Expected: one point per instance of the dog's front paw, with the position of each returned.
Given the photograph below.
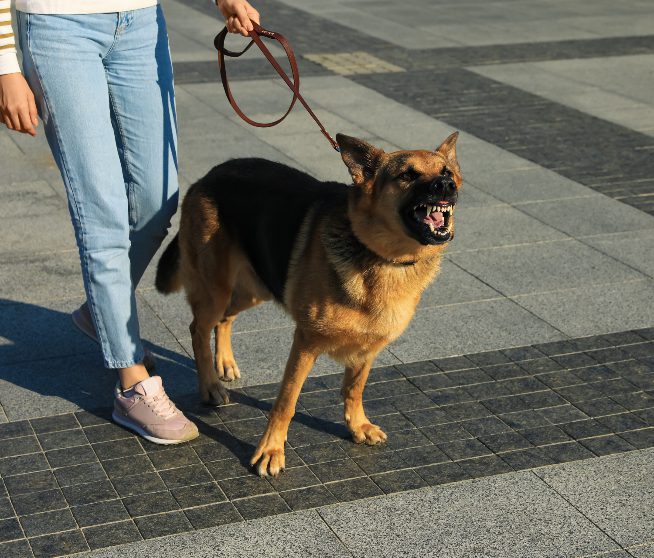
(214, 395)
(268, 459)
(369, 434)
(228, 370)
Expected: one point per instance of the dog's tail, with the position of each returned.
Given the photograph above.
(168, 280)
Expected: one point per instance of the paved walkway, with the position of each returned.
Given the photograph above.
(520, 400)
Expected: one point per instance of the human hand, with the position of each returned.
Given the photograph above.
(17, 105)
(238, 15)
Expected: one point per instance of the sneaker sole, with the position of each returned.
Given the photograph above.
(136, 428)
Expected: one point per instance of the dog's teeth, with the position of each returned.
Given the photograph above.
(431, 227)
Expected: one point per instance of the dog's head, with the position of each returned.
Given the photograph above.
(403, 201)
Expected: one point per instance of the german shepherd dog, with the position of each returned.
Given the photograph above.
(348, 263)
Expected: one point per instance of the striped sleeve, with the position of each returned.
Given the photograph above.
(8, 59)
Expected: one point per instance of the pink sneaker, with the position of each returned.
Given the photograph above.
(146, 409)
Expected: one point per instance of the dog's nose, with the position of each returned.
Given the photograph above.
(444, 187)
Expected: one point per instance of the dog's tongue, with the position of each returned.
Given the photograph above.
(436, 219)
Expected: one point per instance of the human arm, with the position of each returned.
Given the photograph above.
(17, 105)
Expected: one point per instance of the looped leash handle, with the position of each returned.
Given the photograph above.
(256, 34)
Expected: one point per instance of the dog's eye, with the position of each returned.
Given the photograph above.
(409, 175)
(446, 172)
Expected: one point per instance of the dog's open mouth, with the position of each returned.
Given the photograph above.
(431, 223)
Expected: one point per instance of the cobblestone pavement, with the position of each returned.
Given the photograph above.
(520, 401)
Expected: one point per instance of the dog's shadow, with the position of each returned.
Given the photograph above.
(42, 353)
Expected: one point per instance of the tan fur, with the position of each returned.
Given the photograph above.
(338, 309)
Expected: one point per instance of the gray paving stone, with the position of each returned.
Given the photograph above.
(520, 517)
(21, 237)
(545, 266)
(454, 285)
(615, 492)
(644, 551)
(587, 216)
(634, 248)
(29, 199)
(592, 310)
(457, 329)
(298, 534)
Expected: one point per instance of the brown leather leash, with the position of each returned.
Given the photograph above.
(294, 86)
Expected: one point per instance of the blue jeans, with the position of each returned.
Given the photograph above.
(104, 90)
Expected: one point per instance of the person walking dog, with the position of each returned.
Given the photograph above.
(99, 75)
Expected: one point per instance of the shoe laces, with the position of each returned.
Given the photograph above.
(161, 405)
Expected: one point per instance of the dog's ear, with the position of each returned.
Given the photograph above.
(361, 158)
(448, 149)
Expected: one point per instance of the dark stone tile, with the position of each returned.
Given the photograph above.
(446, 432)
(438, 380)
(615, 386)
(147, 504)
(485, 426)
(117, 448)
(622, 422)
(389, 389)
(297, 477)
(524, 419)
(469, 377)
(264, 391)
(402, 440)
(442, 473)
(47, 523)
(647, 415)
(320, 399)
(623, 338)
(556, 348)
(425, 455)
(175, 457)
(559, 378)
(213, 452)
(542, 399)
(580, 392)
(321, 453)
(16, 549)
(510, 404)
(544, 435)
(450, 396)
(463, 411)
(39, 502)
(584, 429)
(640, 350)
(106, 433)
(53, 424)
(337, 470)
(399, 481)
(485, 466)
(94, 418)
(383, 462)
(23, 464)
(261, 506)
(6, 510)
(139, 484)
(600, 407)
(18, 446)
(464, 449)
(606, 445)
(15, 429)
(63, 439)
(99, 513)
(612, 354)
(199, 495)
(229, 468)
(228, 413)
(595, 373)
(354, 489)
(163, 524)
(568, 451)
(634, 401)
(417, 368)
(562, 414)
(71, 456)
(248, 428)
(488, 358)
(68, 542)
(125, 466)
(10, 530)
(382, 374)
(453, 363)
(640, 439)
(185, 476)
(30, 482)
(245, 486)
(113, 534)
(540, 365)
(213, 515)
(575, 360)
(506, 441)
(80, 474)
(488, 390)
(504, 371)
(90, 493)
(426, 417)
(528, 458)
(522, 353)
(306, 498)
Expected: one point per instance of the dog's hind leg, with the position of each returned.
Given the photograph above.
(270, 452)
(208, 310)
(355, 417)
